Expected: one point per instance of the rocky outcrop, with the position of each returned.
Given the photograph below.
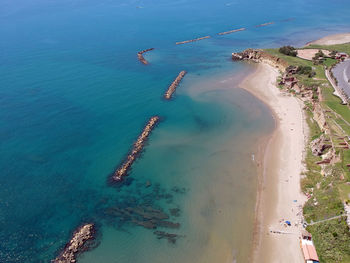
(258, 55)
(136, 150)
(174, 85)
(319, 145)
(77, 244)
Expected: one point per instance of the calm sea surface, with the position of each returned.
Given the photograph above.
(74, 97)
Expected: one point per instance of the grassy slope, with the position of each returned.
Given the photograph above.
(332, 238)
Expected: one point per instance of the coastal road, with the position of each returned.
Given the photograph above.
(337, 91)
(342, 74)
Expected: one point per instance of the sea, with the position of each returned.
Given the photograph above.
(74, 98)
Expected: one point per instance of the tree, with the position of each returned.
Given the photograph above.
(305, 70)
(288, 50)
(333, 54)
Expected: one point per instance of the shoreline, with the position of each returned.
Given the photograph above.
(331, 40)
(279, 174)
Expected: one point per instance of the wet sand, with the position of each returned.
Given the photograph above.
(332, 39)
(279, 194)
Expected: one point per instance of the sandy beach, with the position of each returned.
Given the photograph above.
(280, 197)
(332, 39)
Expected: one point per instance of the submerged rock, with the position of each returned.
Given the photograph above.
(170, 237)
(175, 211)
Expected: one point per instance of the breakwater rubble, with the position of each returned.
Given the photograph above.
(140, 55)
(192, 40)
(80, 242)
(174, 85)
(136, 150)
(265, 24)
(232, 31)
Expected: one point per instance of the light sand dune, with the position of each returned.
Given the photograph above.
(308, 54)
(280, 180)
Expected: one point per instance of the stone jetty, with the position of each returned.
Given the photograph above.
(77, 244)
(232, 31)
(192, 40)
(265, 24)
(174, 85)
(140, 55)
(136, 150)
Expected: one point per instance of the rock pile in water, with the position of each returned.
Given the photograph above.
(77, 244)
(140, 55)
(174, 85)
(192, 40)
(136, 150)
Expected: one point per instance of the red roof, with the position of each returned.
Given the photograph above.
(309, 252)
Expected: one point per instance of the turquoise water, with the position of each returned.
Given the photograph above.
(73, 98)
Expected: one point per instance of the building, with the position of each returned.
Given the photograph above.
(308, 248)
(341, 55)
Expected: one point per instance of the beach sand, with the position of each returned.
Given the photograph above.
(280, 197)
(332, 40)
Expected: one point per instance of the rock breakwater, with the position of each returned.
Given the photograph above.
(78, 243)
(136, 150)
(258, 55)
(140, 55)
(265, 24)
(192, 40)
(174, 85)
(232, 31)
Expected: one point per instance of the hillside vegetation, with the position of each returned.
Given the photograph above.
(327, 185)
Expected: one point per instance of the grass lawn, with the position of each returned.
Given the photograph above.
(332, 241)
(344, 191)
(340, 48)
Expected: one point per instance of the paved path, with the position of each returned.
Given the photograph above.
(325, 220)
(342, 73)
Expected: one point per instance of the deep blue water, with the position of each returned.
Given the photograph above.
(74, 97)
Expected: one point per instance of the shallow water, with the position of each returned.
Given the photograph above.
(73, 99)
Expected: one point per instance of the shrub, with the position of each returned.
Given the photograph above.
(288, 50)
(318, 58)
(333, 53)
(312, 74)
(306, 70)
